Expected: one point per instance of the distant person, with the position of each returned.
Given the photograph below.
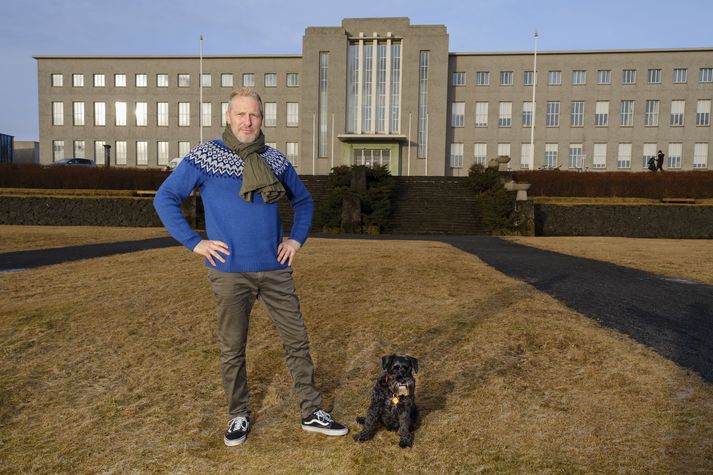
(241, 181)
(652, 163)
(659, 160)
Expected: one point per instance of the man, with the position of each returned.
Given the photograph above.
(240, 181)
(659, 160)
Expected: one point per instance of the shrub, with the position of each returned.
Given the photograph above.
(101, 178)
(495, 203)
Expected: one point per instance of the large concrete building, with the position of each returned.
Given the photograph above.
(381, 90)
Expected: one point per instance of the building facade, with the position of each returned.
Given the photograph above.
(383, 91)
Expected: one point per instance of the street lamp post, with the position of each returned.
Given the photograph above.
(534, 108)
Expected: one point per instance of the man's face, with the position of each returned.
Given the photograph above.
(244, 118)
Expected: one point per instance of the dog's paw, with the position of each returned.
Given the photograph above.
(361, 420)
(406, 442)
(363, 436)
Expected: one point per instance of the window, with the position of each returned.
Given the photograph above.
(248, 80)
(576, 156)
(162, 80)
(162, 114)
(162, 153)
(654, 76)
(120, 113)
(99, 81)
(505, 114)
(223, 112)
(183, 148)
(703, 113)
(628, 76)
(680, 75)
(482, 78)
(367, 89)
(142, 114)
(142, 153)
(293, 114)
(648, 152)
(674, 155)
(79, 149)
(371, 157)
(554, 78)
(623, 160)
(78, 81)
(78, 112)
(705, 75)
(550, 155)
(184, 80)
(58, 113)
(395, 87)
(700, 155)
(141, 80)
(504, 151)
(184, 114)
(293, 79)
(457, 114)
(57, 81)
(270, 110)
(527, 114)
(481, 114)
(579, 77)
(506, 78)
(99, 152)
(626, 113)
(292, 151)
(456, 155)
(651, 113)
(57, 150)
(552, 114)
(576, 115)
(599, 157)
(604, 76)
(322, 138)
(206, 80)
(120, 80)
(270, 80)
(120, 152)
(677, 111)
(480, 153)
(422, 104)
(100, 114)
(525, 158)
(528, 78)
(458, 78)
(226, 80)
(206, 114)
(601, 114)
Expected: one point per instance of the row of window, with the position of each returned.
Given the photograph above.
(141, 115)
(577, 159)
(626, 115)
(579, 77)
(182, 80)
(160, 156)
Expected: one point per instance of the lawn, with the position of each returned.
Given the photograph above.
(111, 366)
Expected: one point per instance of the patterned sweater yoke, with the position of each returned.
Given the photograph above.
(214, 158)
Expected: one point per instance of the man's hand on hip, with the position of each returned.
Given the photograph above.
(287, 250)
(211, 249)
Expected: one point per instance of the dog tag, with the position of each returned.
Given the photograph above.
(395, 399)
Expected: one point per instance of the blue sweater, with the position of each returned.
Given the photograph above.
(253, 230)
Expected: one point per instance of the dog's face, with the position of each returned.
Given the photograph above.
(398, 374)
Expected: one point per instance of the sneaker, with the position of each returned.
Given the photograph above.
(237, 432)
(322, 422)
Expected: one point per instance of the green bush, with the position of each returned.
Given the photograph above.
(495, 203)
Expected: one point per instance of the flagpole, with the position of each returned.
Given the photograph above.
(200, 93)
(532, 125)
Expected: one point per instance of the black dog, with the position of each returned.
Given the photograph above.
(393, 400)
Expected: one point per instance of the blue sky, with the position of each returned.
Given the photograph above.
(156, 27)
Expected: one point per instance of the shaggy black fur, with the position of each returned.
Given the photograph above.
(393, 401)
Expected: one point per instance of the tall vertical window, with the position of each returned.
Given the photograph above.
(293, 79)
(700, 155)
(604, 76)
(675, 155)
(353, 87)
(525, 156)
(162, 152)
(270, 111)
(506, 78)
(552, 114)
(77, 80)
(628, 76)
(648, 152)
(651, 113)
(100, 114)
(481, 114)
(270, 80)
(423, 104)
(142, 152)
(395, 87)
(99, 80)
(599, 157)
(705, 75)
(293, 114)
(367, 85)
(623, 159)
(527, 114)
(184, 114)
(57, 80)
(678, 109)
(162, 80)
(78, 110)
(579, 77)
(162, 114)
(505, 114)
(142, 116)
(206, 80)
(458, 78)
(248, 79)
(120, 80)
(456, 155)
(120, 152)
(554, 78)
(58, 113)
(601, 114)
(223, 112)
(184, 80)
(482, 78)
(226, 80)
(206, 114)
(142, 80)
(576, 115)
(57, 150)
(480, 153)
(322, 139)
(703, 113)
(457, 114)
(576, 154)
(381, 88)
(654, 76)
(99, 152)
(183, 148)
(79, 149)
(528, 78)
(292, 152)
(626, 113)
(551, 150)
(680, 75)
(120, 113)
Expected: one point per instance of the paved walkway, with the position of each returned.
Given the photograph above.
(674, 317)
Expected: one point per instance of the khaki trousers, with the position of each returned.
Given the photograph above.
(235, 294)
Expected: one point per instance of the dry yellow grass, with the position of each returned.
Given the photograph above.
(111, 366)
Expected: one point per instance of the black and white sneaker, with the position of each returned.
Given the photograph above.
(322, 422)
(237, 432)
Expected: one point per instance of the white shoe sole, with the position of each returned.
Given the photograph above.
(331, 432)
(233, 443)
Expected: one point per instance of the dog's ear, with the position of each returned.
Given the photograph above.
(386, 361)
(414, 363)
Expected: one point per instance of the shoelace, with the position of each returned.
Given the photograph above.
(323, 416)
(238, 423)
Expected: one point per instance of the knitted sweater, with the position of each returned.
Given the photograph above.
(252, 230)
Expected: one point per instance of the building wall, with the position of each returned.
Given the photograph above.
(6, 148)
(26, 152)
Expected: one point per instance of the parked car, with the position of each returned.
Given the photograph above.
(82, 162)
